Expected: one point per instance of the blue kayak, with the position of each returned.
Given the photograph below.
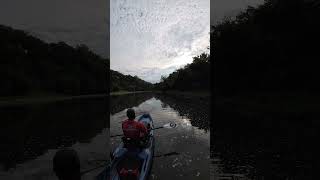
(132, 160)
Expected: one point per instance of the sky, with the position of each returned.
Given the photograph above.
(150, 38)
(72, 21)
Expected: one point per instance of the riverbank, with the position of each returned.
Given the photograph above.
(16, 101)
(268, 102)
(126, 92)
(187, 94)
(180, 93)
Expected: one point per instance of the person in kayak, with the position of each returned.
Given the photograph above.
(133, 129)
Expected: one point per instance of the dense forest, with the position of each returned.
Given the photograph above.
(121, 82)
(193, 76)
(265, 73)
(30, 66)
(270, 48)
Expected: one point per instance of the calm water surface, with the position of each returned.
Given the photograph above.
(30, 135)
(191, 138)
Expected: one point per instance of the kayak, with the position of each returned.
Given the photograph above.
(132, 160)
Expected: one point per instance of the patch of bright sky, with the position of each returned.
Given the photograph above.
(150, 38)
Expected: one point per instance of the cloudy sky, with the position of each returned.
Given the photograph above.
(72, 21)
(150, 38)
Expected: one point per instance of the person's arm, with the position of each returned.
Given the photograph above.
(143, 129)
(122, 125)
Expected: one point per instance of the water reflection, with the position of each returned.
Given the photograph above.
(262, 144)
(30, 135)
(189, 140)
(120, 102)
(30, 131)
(197, 109)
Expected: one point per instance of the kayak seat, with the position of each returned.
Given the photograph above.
(130, 174)
(129, 167)
(133, 144)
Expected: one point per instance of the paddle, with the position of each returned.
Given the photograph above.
(168, 126)
(167, 154)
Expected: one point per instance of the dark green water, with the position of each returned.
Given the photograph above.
(30, 135)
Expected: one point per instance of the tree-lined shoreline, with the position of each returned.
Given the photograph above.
(18, 101)
(32, 67)
(35, 71)
(265, 74)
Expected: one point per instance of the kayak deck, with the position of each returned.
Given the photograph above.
(131, 160)
(129, 163)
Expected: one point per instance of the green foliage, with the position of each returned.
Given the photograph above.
(270, 48)
(30, 66)
(194, 76)
(120, 82)
(264, 61)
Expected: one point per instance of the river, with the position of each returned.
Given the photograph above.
(31, 134)
(190, 140)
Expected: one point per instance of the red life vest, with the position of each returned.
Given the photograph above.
(133, 129)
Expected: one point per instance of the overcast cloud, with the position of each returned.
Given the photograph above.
(150, 38)
(72, 21)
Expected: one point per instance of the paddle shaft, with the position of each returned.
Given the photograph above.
(117, 135)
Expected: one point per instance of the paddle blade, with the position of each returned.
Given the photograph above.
(170, 125)
(167, 154)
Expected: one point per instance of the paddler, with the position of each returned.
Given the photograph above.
(133, 129)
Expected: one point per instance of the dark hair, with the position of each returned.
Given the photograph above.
(131, 114)
(66, 164)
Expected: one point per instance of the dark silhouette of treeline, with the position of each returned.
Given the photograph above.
(270, 48)
(121, 82)
(265, 73)
(193, 76)
(31, 66)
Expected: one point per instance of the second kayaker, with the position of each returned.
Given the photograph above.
(133, 129)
